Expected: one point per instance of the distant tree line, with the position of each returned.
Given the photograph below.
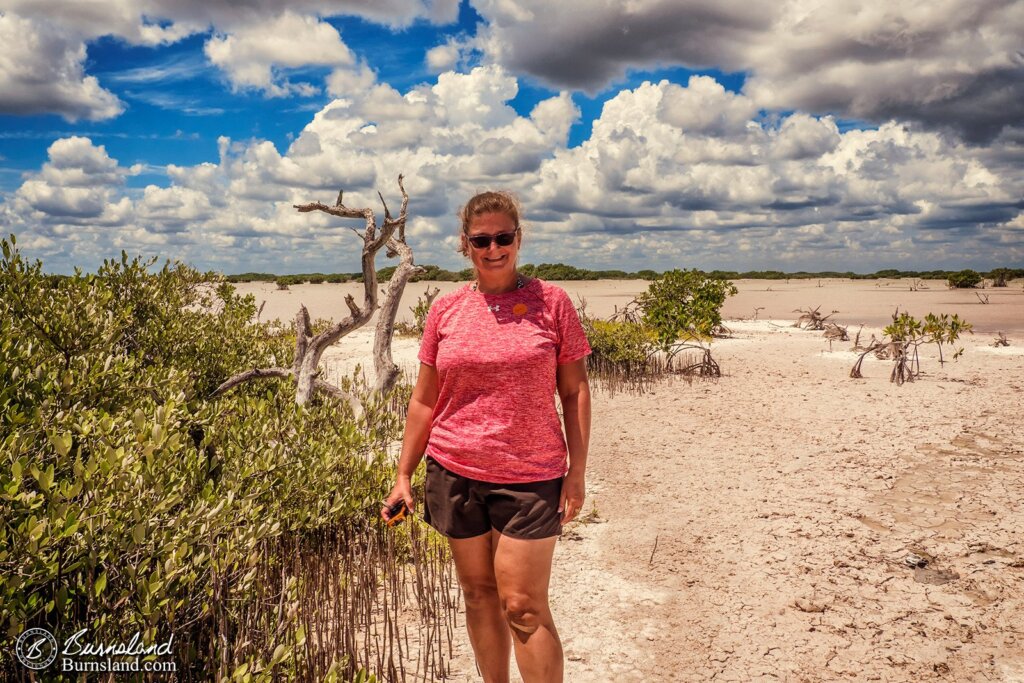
(432, 273)
(562, 271)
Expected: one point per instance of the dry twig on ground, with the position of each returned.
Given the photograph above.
(811, 319)
(835, 332)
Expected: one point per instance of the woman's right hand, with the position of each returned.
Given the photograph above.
(402, 490)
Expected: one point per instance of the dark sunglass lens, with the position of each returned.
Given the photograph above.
(483, 241)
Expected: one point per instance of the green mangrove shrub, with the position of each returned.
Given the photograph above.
(1000, 276)
(666, 329)
(244, 526)
(964, 279)
(684, 305)
(683, 308)
(902, 339)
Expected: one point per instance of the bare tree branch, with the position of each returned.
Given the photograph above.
(373, 241)
(351, 303)
(341, 395)
(309, 348)
(255, 373)
(302, 334)
(385, 370)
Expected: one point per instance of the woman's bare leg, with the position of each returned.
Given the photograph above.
(522, 569)
(485, 620)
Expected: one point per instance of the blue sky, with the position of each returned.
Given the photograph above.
(679, 134)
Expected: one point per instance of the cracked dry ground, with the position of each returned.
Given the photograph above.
(760, 527)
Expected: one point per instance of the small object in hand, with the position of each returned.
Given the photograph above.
(396, 512)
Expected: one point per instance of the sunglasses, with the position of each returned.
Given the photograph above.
(503, 239)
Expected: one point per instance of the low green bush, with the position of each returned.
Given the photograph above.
(964, 279)
(133, 502)
(1001, 276)
(620, 342)
(684, 305)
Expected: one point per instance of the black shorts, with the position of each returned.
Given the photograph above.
(460, 507)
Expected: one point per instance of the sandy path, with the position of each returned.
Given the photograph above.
(783, 500)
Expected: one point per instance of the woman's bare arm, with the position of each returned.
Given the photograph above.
(574, 392)
(417, 430)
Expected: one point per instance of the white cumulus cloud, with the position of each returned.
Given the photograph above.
(255, 44)
(252, 56)
(79, 183)
(41, 69)
(669, 176)
(954, 65)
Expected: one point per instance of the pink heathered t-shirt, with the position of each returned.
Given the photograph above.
(496, 356)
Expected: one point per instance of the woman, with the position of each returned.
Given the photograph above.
(498, 483)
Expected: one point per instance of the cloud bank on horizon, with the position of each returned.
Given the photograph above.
(654, 134)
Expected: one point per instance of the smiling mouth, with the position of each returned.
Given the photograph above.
(495, 260)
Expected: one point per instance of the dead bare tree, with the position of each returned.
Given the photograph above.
(811, 319)
(983, 298)
(1001, 340)
(309, 348)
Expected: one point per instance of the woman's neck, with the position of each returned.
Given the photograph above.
(497, 283)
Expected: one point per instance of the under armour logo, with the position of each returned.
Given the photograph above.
(494, 309)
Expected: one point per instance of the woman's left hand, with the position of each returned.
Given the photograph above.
(573, 493)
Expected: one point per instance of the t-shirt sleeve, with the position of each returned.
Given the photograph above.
(428, 345)
(572, 340)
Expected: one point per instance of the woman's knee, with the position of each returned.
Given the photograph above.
(525, 613)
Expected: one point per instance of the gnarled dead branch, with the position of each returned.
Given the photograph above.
(384, 367)
(255, 373)
(309, 347)
(811, 319)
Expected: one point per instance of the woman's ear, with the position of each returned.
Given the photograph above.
(463, 244)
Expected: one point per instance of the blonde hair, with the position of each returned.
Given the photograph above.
(487, 202)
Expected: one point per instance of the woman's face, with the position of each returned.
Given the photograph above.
(493, 259)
